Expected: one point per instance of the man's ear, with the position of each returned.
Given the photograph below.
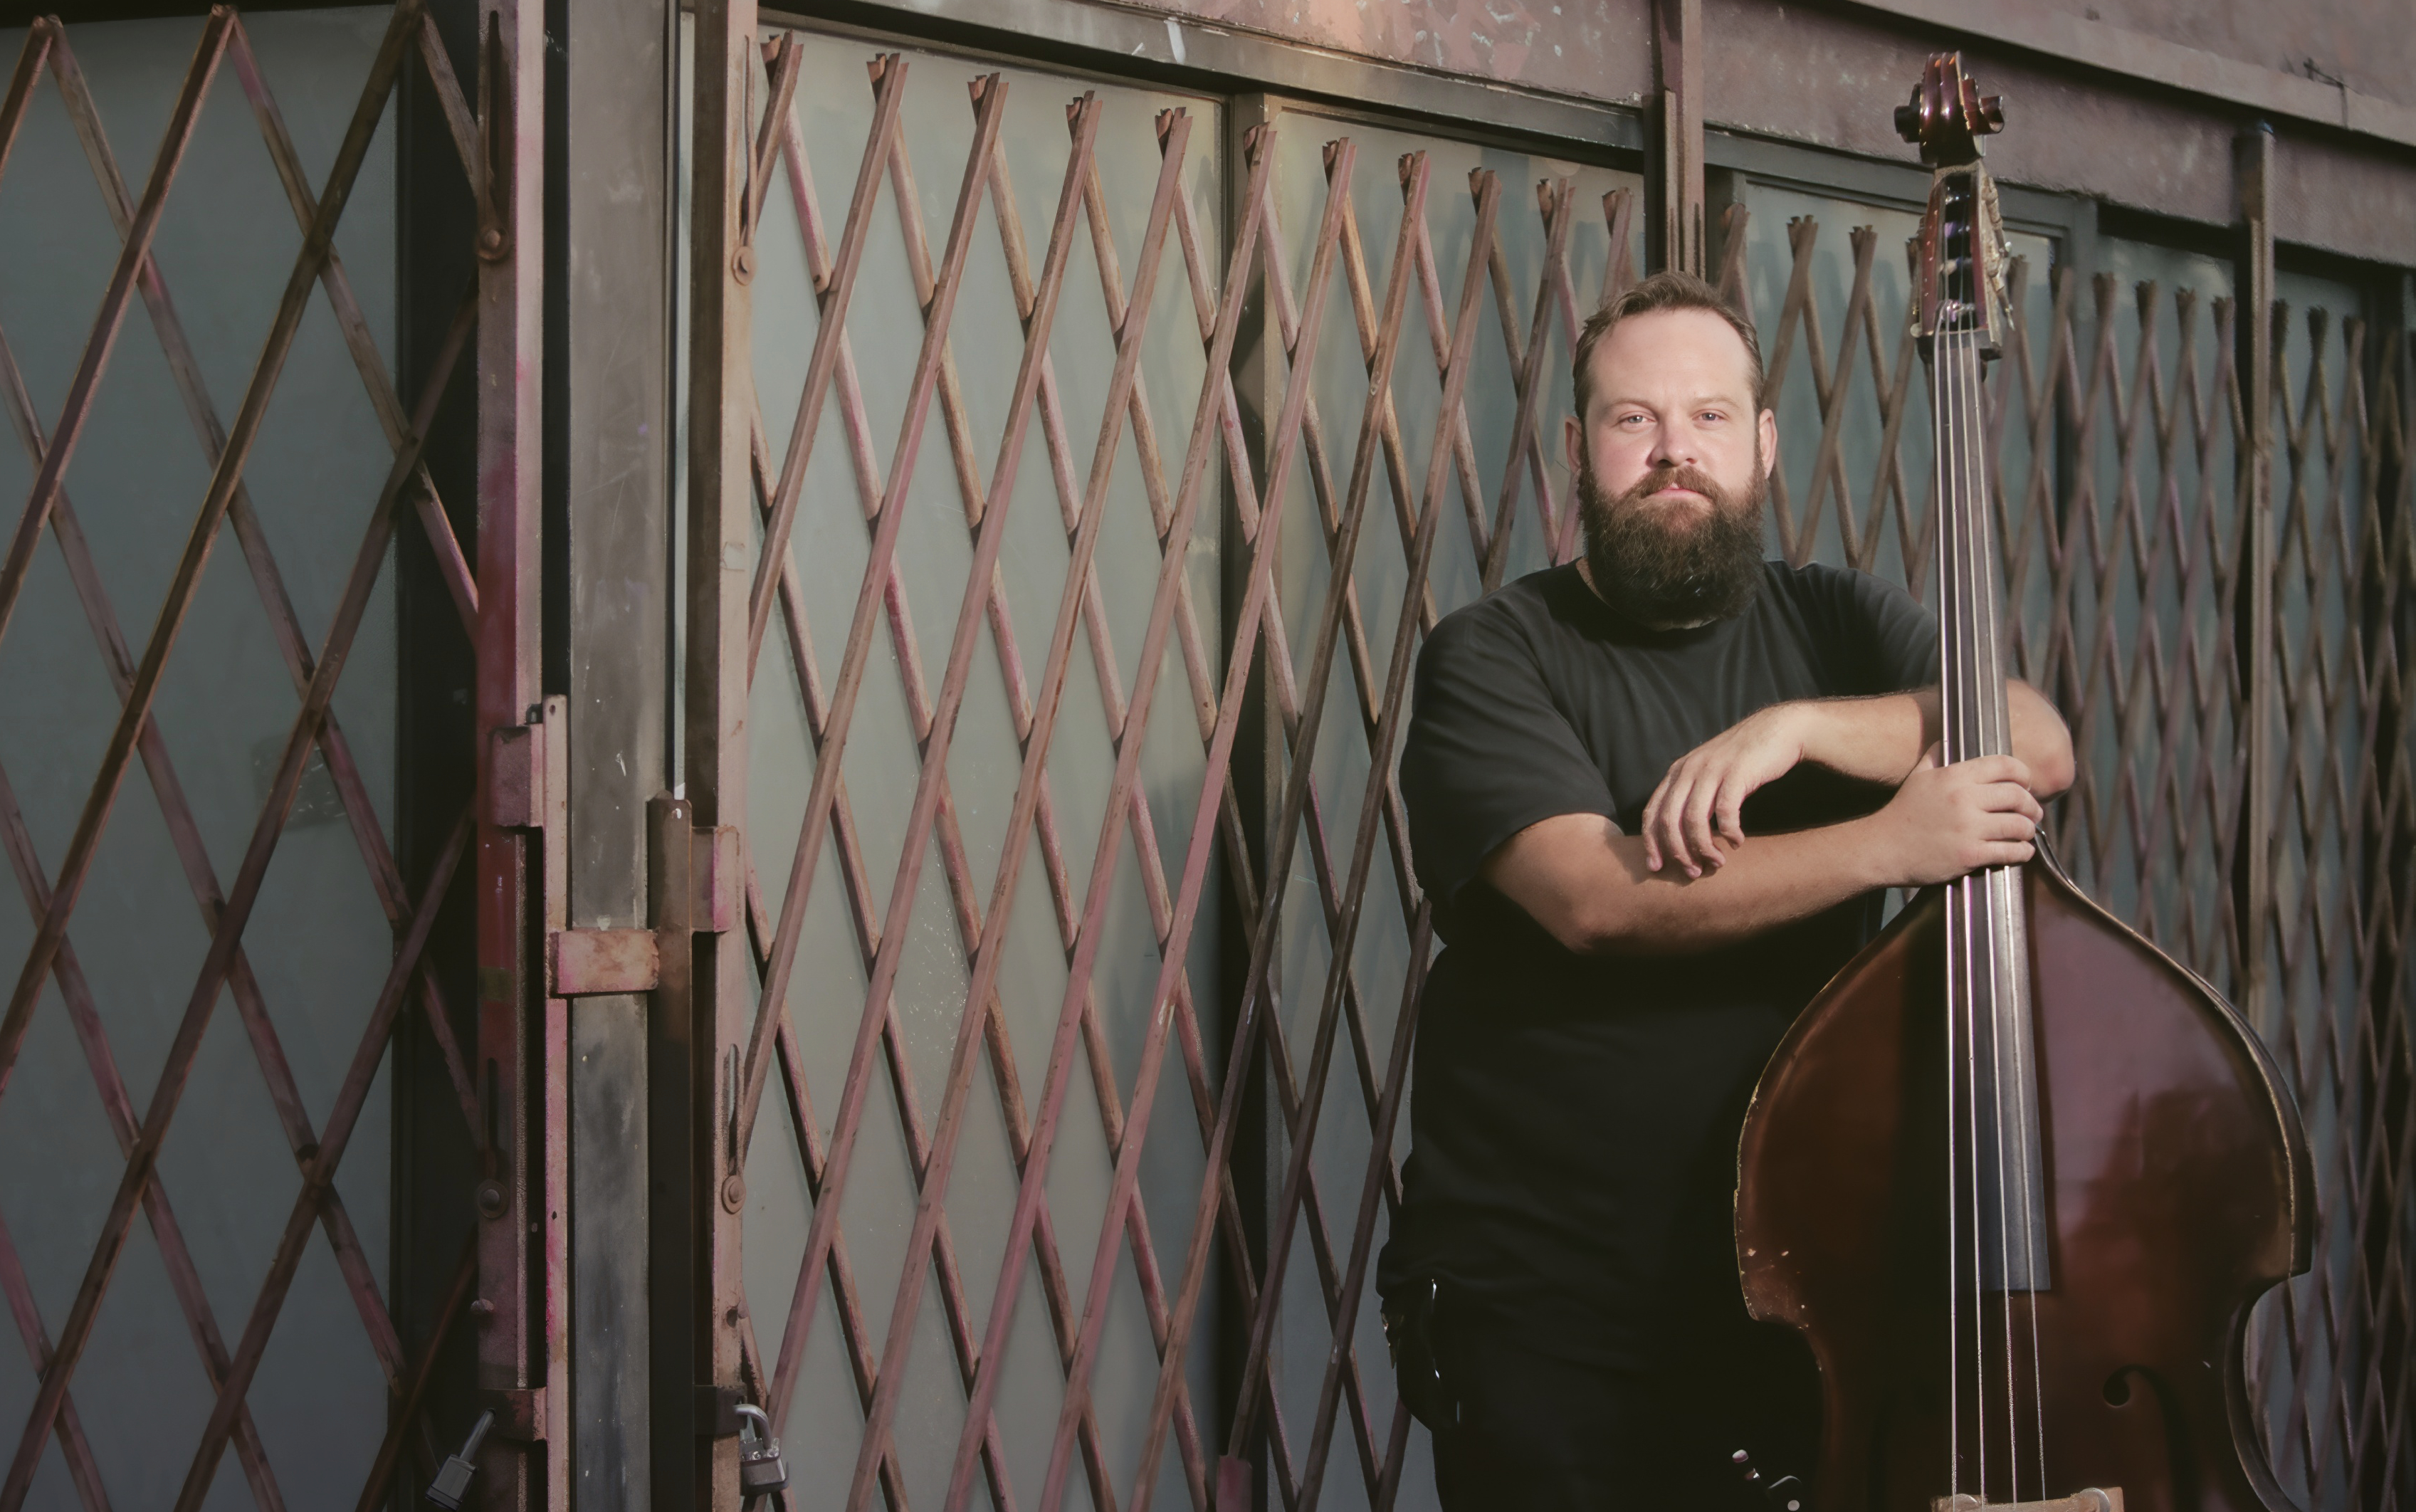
(1573, 443)
(1767, 426)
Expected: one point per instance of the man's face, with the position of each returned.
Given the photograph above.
(1673, 462)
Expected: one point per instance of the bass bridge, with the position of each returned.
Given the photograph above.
(2092, 1499)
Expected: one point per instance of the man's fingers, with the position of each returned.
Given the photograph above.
(1651, 828)
(2010, 797)
(2011, 826)
(2011, 854)
(1729, 816)
(1697, 820)
(1669, 825)
(1998, 769)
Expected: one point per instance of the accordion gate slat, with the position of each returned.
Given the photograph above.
(410, 907)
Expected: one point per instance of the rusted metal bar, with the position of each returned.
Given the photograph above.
(81, 846)
(1527, 369)
(459, 123)
(1279, 863)
(519, 1213)
(320, 1176)
(39, 38)
(1676, 239)
(414, 1395)
(700, 1343)
(949, 843)
(987, 954)
(889, 90)
(185, 838)
(185, 834)
(1835, 392)
(1363, 1229)
(76, 408)
(1188, 495)
(1471, 489)
(451, 565)
(2252, 880)
(775, 988)
(84, 1472)
(1463, 341)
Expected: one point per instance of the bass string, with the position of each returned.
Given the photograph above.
(1984, 921)
(1954, 695)
(1986, 687)
(2008, 932)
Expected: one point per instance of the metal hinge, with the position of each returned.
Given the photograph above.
(595, 963)
(520, 1413)
(517, 773)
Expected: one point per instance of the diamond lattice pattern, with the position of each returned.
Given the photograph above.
(217, 940)
(1178, 487)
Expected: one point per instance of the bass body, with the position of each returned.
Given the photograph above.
(2176, 1189)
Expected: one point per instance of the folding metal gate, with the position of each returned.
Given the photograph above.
(303, 595)
(2245, 795)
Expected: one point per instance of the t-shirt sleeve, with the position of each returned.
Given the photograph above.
(1891, 641)
(1489, 753)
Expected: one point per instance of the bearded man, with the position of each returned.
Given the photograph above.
(1655, 796)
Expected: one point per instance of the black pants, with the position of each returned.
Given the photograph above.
(1540, 1434)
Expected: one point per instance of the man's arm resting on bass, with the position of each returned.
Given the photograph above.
(1877, 739)
(1588, 886)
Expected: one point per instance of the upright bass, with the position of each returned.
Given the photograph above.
(2015, 1175)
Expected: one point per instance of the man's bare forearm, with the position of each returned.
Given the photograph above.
(1879, 739)
(1769, 881)
(1595, 889)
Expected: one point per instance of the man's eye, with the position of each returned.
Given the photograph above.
(1713, 415)
(1633, 419)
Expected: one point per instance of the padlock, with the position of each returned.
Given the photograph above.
(762, 1471)
(453, 1480)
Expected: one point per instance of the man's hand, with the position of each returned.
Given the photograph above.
(1698, 804)
(1590, 890)
(1692, 820)
(1947, 822)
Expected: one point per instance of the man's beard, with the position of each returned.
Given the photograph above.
(1666, 565)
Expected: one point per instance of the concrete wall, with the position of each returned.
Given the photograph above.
(1826, 75)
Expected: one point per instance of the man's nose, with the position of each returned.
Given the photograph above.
(1674, 446)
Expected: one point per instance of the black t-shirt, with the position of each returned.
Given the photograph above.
(1575, 1121)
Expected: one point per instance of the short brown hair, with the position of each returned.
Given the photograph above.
(1662, 291)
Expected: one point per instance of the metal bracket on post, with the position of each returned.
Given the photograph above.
(2255, 340)
(1674, 234)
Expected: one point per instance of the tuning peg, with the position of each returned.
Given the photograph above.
(1992, 111)
(1908, 119)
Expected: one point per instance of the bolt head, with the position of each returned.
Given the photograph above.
(734, 1192)
(493, 1203)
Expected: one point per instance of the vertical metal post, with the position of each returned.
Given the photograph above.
(512, 1342)
(614, 298)
(719, 567)
(1674, 232)
(670, 1050)
(550, 1205)
(2253, 331)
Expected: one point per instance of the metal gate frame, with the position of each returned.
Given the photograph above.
(508, 1286)
(712, 1057)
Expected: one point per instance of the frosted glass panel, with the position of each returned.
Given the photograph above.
(930, 923)
(1871, 507)
(318, 942)
(1381, 959)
